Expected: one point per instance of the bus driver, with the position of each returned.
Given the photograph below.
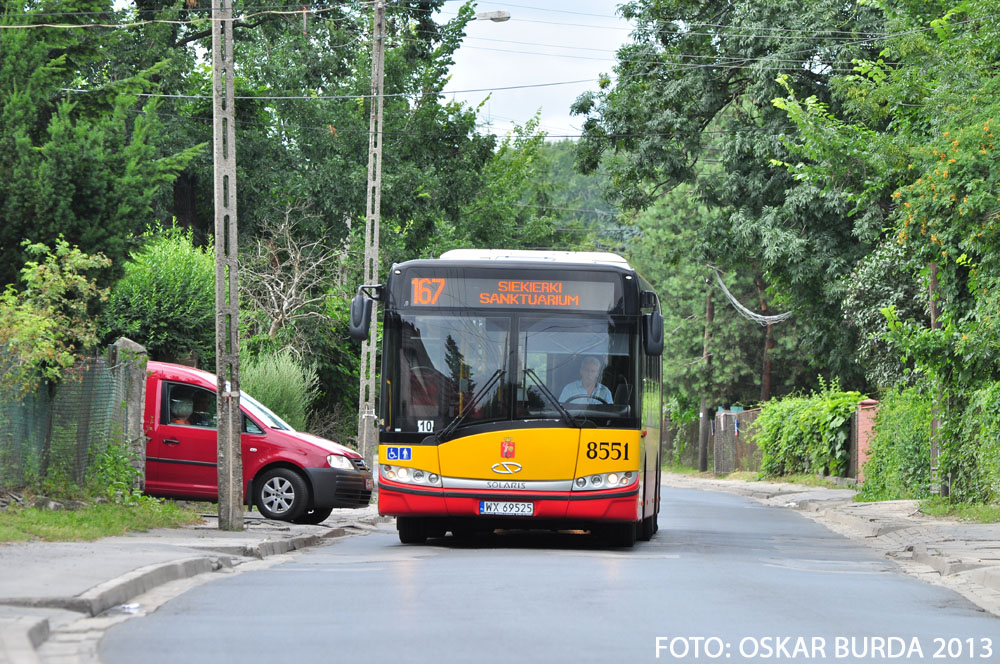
(587, 389)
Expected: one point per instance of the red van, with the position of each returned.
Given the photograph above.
(288, 475)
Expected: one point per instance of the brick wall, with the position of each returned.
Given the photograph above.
(864, 429)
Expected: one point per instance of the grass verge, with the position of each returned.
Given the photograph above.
(939, 506)
(678, 469)
(91, 522)
(802, 479)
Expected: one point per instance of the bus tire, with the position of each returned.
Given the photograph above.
(647, 528)
(622, 534)
(411, 530)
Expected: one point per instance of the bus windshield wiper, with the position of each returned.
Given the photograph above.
(565, 414)
(442, 435)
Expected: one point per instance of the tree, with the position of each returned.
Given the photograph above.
(48, 325)
(668, 251)
(694, 88)
(166, 299)
(285, 278)
(87, 167)
(914, 140)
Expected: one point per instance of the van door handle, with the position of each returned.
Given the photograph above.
(168, 441)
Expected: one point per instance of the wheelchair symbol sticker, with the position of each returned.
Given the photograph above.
(398, 453)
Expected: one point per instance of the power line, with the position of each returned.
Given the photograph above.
(326, 128)
(672, 68)
(134, 24)
(721, 60)
(189, 10)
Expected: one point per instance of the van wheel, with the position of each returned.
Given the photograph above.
(411, 530)
(313, 517)
(281, 494)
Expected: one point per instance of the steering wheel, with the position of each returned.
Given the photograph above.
(585, 396)
(421, 369)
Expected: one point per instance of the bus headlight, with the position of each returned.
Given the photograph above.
(409, 475)
(614, 480)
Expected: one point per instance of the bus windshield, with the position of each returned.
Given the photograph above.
(458, 369)
(443, 362)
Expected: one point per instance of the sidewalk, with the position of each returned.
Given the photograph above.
(47, 585)
(958, 555)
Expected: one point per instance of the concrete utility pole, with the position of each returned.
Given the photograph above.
(227, 344)
(367, 434)
(367, 430)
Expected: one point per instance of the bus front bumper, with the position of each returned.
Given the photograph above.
(568, 506)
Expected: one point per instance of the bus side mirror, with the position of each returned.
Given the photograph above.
(652, 333)
(361, 317)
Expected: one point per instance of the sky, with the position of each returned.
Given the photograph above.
(543, 42)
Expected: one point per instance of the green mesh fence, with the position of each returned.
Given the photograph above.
(56, 433)
(734, 446)
(680, 443)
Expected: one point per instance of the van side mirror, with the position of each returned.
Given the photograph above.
(652, 333)
(360, 318)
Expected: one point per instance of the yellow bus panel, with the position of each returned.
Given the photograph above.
(541, 454)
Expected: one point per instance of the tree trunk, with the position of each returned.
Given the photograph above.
(938, 484)
(703, 431)
(765, 373)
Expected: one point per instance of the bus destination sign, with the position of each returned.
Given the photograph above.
(519, 293)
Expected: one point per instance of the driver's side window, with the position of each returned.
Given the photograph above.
(187, 405)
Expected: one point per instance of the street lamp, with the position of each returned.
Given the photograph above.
(497, 16)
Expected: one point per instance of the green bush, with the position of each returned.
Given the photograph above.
(806, 434)
(166, 299)
(970, 446)
(283, 384)
(899, 463)
(46, 326)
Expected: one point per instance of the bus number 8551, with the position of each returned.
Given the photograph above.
(606, 450)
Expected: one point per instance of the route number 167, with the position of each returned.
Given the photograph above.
(426, 290)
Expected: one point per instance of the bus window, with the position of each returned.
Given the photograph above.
(443, 363)
(583, 364)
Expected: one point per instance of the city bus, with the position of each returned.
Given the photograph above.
(519, 390)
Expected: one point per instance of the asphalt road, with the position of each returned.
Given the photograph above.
(725, 578)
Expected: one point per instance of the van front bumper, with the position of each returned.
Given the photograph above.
(334, 487)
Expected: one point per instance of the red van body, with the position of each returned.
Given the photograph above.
(287, 474)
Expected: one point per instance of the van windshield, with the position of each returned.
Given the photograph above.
(263, 413)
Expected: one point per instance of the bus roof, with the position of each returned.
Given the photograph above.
(591, 257)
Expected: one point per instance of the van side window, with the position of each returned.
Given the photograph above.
(187, 405)
(249, 426)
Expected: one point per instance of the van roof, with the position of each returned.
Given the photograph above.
(172, 371)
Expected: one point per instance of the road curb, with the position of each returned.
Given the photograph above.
(20, 637)
(947, 566)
